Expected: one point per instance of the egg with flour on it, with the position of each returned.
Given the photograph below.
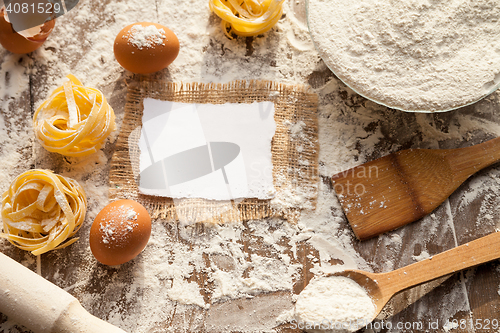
(120, 232)
(146, 47)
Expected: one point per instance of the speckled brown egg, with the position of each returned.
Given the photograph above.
(120, 232)
(145, 47)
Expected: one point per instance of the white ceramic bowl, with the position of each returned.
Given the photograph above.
(352, 84)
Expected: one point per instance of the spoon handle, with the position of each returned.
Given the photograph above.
(479, 251)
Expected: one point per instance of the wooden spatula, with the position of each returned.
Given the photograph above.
(402, 187)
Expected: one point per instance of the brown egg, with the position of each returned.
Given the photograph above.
(145, 47)
(25, 42)
(120, 232)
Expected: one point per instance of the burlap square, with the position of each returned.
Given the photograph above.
(294, 157)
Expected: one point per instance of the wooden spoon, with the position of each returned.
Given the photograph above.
(382, 286)
(402, 187)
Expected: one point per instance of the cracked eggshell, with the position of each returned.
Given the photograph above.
(25, 41)
(120, 232)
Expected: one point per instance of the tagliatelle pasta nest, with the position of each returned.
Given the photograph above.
(42, 210)
(75, 120)
(247, 17)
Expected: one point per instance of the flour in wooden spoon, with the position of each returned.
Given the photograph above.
(334, 304)
(411, 54)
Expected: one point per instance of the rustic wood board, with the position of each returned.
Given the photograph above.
(472, 296)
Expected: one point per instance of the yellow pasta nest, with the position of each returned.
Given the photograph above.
(42, 210)
(74, 121)
(247, 17)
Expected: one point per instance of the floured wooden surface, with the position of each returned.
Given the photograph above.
(243, 276)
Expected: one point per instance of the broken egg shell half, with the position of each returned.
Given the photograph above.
(25, 41)
(146, 59)
(120, 231)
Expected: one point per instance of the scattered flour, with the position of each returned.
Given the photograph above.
(234, 277)
(296, 128)
(131, 214)
(120, 223)
(186, 293)
(334, 304)
(145, 36)
(16, 136)
(413, 55)
(422, 256)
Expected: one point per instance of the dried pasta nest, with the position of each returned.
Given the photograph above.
(74, 121)
(41, 211)
(247, 17)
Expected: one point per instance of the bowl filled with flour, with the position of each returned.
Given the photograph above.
(412, 55)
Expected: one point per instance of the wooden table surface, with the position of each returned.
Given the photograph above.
(472, 298)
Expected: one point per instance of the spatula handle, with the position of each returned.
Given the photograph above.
(467, 161)
(479, 251)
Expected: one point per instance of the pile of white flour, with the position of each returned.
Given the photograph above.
(416, 55)
(334, 304)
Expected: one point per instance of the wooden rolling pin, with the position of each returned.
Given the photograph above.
(41, 306)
